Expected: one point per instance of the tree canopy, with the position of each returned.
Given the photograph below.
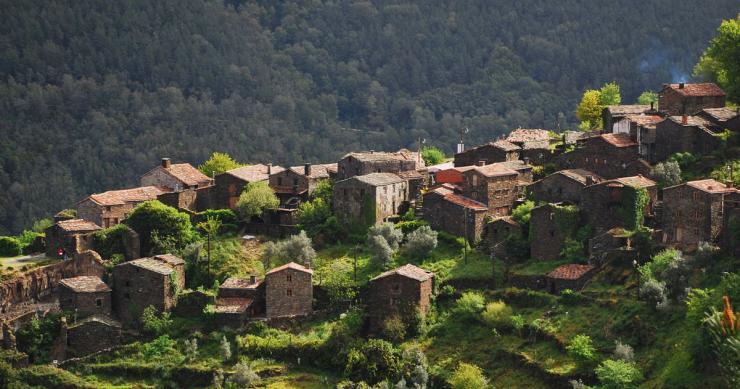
(721, 61)
(255, 199)
(217, 164)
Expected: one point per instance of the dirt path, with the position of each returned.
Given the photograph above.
(17, 262)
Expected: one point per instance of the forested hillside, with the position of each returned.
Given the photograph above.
(94, 92)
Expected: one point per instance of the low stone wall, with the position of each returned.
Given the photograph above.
(271, 230)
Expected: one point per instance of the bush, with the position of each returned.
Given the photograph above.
(10, 246)
(154, 324)
(469, 306)
(432, 155)
(41, 225)
(374, 361)
(389, 232)
(160, 347)
(497, 314)
(316, 218)
(523, 212)
(394, 329)
(421, 242)
(224, 349)
(667, 173)
(528, 297)
(297, 248)
(255, 199)
(110, 241)
(569, 297)
(623, 352)
(408, 226)
(381, 251)
(225, 216)
(467, 376)
(581, 348)
(654, 293)
(618, 374)
(157, 223)
(244, 374)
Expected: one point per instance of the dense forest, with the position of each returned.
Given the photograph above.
(94, 92)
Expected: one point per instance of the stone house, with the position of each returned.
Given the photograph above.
(230, 184)
(494, 185)
(688, 99)
(458, 215)
(722, 118)
(534, 145)
(288, 291)
(610, 203)
(143, 282)
(572, 276)
(110, 208)
(370, 198)
(607, 155)
(69, 235)
(693, 212)
(175, 177)
(241, 298)
(85, 295)
(684, 134)
(548, 230)
(498, 151)
(294, 185)
(565, 186)
(416, 183)
(615, 113)
(498, 231)
(90, 335)
(730, 243)
(605, 246)
(642, 130)
(403, 292)
(366, 162)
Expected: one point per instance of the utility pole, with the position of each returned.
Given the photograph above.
(418, 150)
(465, 238)
(461, 145)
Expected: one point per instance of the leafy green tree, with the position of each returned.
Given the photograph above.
(296, 248)
(420, 242)
(721, 60)
(523, 212)
(152, 218)
(255, 199)
(618, 374)
(217, 164)
(10, 246)
(667, 173)
(609, 95)
(389, 232)
(210, 226)
(470, 306)
(589, 109)
(432, 155)
(41, 225)
(581, 348)
(155, 323)
(648, 97)
(467, 376)
(381, 251)
(374, 361)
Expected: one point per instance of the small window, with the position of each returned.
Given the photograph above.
(289, 278)
(99, 302)
(127, 296)
(280, 181)
(289, 292)
(697, 196)
(396, 288)
(295, 181)
(128, 283)
(552, 233)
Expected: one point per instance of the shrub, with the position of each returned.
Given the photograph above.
(111, 241)
(408, 226)
(654, 293)
(623, 352)
(316, 218)
(154, 324)
(381, 251)
(432, 155)
(225, 216)
(394, 329)
(581, 348)
(374, 361)
(389, 232)
(528, 297)
(157, 223)
(667, 173)
(297, 248)
(191, 348)
(467, 376)
(523, 212)
(568, 296)
(518, 322)
(421, 242)
(469, 306)
(255, 199)
(497, 314)
(10, 246)
(162, 346)
(705, 252)
(224, 349)
(41, 225)
(244, 374)
(618, 374)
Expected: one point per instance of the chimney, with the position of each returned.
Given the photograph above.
(590, 180)
(166, 163)
(684, 119)
(480, 163)
(269, 168)
(680, 85)
(526, 160)
(652, 105)
(307, 169)
(252, 280)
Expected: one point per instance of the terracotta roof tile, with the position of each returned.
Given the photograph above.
(98, 318)
(232, 304)
(699, 89)
(648, 121)
(123, 196)
(636, 181)
(408, 270)
(151, 264)
(253, 173)
(570, 272)
(317, 170)
(441, 166)
(618, 140)
(693, 121)
(77, 225)
(85, 284)
(465, 202)
(402, 154)
(170, 259)
(522, 135)
(290, 265)
(495, 170)
(185, 173)
(505, 219)
(711, 186)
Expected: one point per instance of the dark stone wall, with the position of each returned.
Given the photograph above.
(350, 166)
(557, 188)
(691, 216)
(488, 153)
(449, 217)
(135, 288)
(598, 156)
(672, 137)
(674, 103)
(90, 337)
(397, 295)
(279, 285)
(546, 238)
(85, 304)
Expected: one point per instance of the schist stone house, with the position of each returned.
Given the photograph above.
(68, 235)
(615, 113)
(547, 236)
(642, 130)
(143, 282)
(534, 144)
(177, 177)
(565, 186)
(572, 276)
(497, 231)
(109, 208)
(494, 185)
(688, 99)
(693, 212)
(731, 225)
(294, 185)
(608, 203)
(498, 151)
(230, 184)
(607, 155)
(684, 133)
(403, 292)
(448, 211)
(89, 335)
(722, 118)
(85, 295)
(371, 198)
(288, 291)
(362, 163)
(239, 299)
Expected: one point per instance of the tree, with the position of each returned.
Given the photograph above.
(389, 232)
(316, 218)
(497, 314)
(224, 349)
(609, 95)
(667, 173)
(164, 222)
(523, 212)
(375, 360)
(589, 109)
(420, 242)
(648, 97)
(297, 248)
(623, 352)
(432, 155)
(581, 348)
(469, 306)
(721, 60)
(10, 246)
(467, 376)
(618, 374)
(154, 323)
(244, 374)
(210, 227)
(382, 253)
(217, 164)
(255, 199)
(654, 293)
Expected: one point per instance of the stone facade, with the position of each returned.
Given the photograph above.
(447, 211)
(688, 99)
(187, 200)
(693, 212)
(494, 185)
(731, 225)
(296, 184)
(607, 155)
(547, 237)
(573, 277)
(91, 335)
(722, 118)
(288, 291)
(85, 295)
(176, 177)
(370, 199)
(403, 291)
(642, 130)
(362, 163)
(110, 208)
(605, 203)
(241, 297)
(565, 186)
(498, 231)
(69, 235)
(614, 113)
(683, 134)
(230, 184)
(499, 151)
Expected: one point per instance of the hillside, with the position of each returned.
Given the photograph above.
(93, 93)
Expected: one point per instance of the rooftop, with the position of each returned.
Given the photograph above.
(637, 181)
(317, 171)
(711, 186)
(648, 121)
(77, 225)
(402, 154)
(379, 179)
(618, 140)
(232, 304)
(465, 202)
(522, 135)
(695, 121)
(500, 144)
(495, 170)
(698, 89)
(85, 284)
(290, 265)
(570, 272)
(151, 264)
(622, 110)
(505, 219)
(170, 259)
(580, 175)
(408, 270)
(722, 114)
(254, 173)
(239, 283)
(441, 166)
(184, 172)
(123, 196)
(99, 318)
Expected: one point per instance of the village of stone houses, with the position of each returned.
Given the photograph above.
(543, 259)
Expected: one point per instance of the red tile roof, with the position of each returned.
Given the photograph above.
(711, 186)
(186, 173)
(570, 272)
(618, 140)
(648, 121)
(123, 196)
(408, 270)
(78, 225)
(290, 265)
(465, 202)
(232, 304)
(253, 173)
(85, 284)
(699, 89)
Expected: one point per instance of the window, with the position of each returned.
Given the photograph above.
(295, 182)
(697, 196)
(107, 208)
(396, 288)
(127, 296)
(98, 302)
(289, 292)
(280, 181)
(475, 180)
(289, 278)
(552, 233)
(128, 283)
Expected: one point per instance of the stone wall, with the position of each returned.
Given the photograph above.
(350, 166)
(91, 336)
(487, 153)
(444, 215)
(672, 137)
(191, 304)
(183, 200)
(546, 237)
(557, 188)
(135, 288)
(599, 156)
(288, 292)
(691, 216)
(86, 303)
(674, 103)
(397, 295)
